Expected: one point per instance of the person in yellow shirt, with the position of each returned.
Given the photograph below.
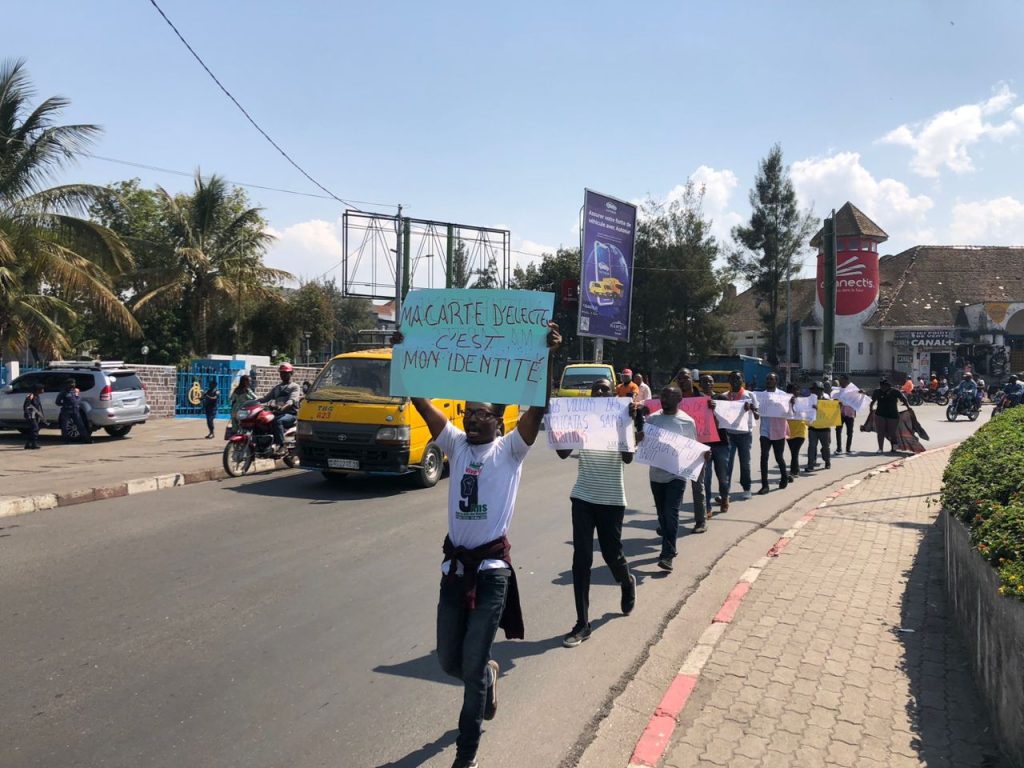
(819, 433)
(797, 436)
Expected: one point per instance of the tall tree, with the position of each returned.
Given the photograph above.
(54, 265)
(770, 242)
(460, 271)
(487, 277)
(217, 249)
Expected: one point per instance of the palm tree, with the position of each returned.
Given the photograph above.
(52, 263)
(217, 256)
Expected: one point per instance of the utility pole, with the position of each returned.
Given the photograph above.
(828, 334)
(406, 263)
(398, 267)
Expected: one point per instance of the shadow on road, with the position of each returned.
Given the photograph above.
(948, 717)
(312, 487)
(424, 753)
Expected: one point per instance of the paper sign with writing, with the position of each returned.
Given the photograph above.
(697, 409)
(853, 398)
(827, 415)
(468, 344)
(671, 452)
(595, 423)
(774, 405)
(803, 408)
(733, 415)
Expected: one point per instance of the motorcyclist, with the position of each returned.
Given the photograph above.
(1013, 391)
(285, 398)
(933, 385)
(968, 387)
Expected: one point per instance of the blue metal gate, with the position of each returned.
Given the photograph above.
(192, 385)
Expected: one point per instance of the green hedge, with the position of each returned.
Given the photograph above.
(983, 485)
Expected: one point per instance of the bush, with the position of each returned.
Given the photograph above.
(983, 485)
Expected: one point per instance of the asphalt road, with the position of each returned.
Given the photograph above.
(283, 621)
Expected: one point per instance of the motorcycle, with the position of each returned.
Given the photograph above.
(254, 439)
(967, 406)
(939, 396)
(1005, 402)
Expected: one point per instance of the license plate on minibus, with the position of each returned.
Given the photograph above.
(343, 464)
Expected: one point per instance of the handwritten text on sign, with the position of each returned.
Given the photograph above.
(774, 405)
(671, 452)
(469, 344)
(595, 423)
(697, 409)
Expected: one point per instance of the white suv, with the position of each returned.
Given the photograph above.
(113, 396)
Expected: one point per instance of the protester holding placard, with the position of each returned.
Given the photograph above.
(478, 589)
(741, 439)
(848, 414)
(774, 432)
(718, 461)
(668, 488)
(797, 435)
(598, 503)
(820, 430)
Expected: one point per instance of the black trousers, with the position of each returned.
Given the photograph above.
(778, 447)
(794, 454)
(33, 433)
(848, 423)
(607, 521)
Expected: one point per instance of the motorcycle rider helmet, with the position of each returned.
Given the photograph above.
(285, 368)
(1012, 379)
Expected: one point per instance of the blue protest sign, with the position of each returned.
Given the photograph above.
(606, 280)
(469, 344)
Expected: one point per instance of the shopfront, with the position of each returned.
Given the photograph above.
(919, 353)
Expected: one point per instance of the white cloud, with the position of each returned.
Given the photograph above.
(718, 189)
(307, 249)
(526, 252)
(988, 222)
(944, 139)
(828, 182)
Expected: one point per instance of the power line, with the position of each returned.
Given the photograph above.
(242, 109)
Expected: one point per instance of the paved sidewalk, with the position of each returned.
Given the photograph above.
(160, 447)
(842, 653)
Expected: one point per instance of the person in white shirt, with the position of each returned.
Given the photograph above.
(645, 390)
(668, 488)
(478, 588)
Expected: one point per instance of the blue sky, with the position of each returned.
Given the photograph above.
(500, 114)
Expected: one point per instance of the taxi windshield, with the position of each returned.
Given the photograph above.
(358, 379)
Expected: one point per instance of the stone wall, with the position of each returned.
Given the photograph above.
(161, 383)
(992, 628)
(267, 377)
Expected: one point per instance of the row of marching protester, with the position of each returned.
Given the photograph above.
(490, 347)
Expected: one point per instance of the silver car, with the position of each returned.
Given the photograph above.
(113, 396)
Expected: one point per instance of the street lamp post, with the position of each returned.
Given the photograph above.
(145, 354)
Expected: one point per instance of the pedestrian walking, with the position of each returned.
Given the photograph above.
(478, 592)
(598, 503)
(774, 433)
(884, 413)
(819, 432)
(643, 389)
(667, 488)
(741, 441)
(72, 423)
(797, 436)
(718, 462)
(211, 401)
(32, 410)
(848, 416)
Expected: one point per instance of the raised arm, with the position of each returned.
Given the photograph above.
(435, 418)
(529, 424)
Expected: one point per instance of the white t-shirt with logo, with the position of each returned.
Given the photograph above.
(482, 487)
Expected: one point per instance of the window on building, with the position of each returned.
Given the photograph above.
(841, 361)
(865, 245)
(749, 352)
(871, 347)
(860, 347)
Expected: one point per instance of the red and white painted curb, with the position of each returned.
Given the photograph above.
(651, 746)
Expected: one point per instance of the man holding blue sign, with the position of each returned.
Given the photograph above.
(478, 589)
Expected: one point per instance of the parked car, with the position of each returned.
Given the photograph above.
(113, 396)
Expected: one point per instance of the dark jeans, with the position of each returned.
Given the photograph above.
(282, 422)
(778, 447)
(719, 461)
(814, 437)
(848, 423)
(210, 416)
(607, 520)
(668, 497)
(33, 433)
(464, 639)
(741, 442)
(794, 454)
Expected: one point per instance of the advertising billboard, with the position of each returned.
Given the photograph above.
(856, 281)
(606, 279)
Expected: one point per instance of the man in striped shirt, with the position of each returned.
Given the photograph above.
(598, 503)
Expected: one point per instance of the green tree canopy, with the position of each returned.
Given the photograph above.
(770, 242)
(54, 265)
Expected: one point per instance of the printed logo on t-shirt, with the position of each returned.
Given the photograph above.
(470, 507)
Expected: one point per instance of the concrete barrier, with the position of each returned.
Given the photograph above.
(992, 627)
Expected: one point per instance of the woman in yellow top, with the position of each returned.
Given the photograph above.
(797, 436)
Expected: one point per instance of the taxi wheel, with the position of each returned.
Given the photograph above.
(431, 468)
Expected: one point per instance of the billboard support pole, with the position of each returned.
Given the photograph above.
(599, 350)
(450, 249)
(398, 268)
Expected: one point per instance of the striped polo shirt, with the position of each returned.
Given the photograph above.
(599, 480)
